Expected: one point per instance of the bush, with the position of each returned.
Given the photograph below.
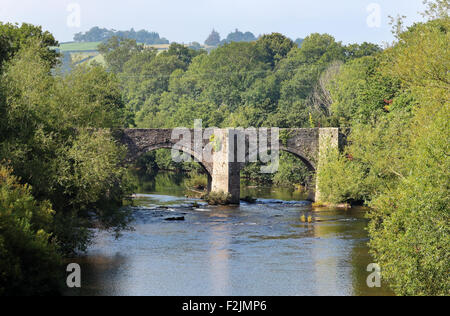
(340, 179)
(217, 198)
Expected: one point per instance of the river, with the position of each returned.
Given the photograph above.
(261, 249)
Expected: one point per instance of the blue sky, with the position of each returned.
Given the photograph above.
(192, 20)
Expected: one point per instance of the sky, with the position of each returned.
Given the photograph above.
(185, 21)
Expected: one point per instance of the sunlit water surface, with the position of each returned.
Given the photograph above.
(260, 249)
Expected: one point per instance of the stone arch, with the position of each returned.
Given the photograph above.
(206, 167)
(308, 163)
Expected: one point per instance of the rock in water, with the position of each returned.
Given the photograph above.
(173, 219)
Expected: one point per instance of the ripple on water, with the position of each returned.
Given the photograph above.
(255, 249)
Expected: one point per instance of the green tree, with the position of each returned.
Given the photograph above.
(29, 261)
(238, 36)
(46, 143)
(117, 51)
(274, 47)
(13, 37)
(398, 162)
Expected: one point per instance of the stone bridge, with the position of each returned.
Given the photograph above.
(216, 150)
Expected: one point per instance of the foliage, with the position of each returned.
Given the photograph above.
(117, 51)
(410, 223)
(217, 198)
(29, 260)
(197, 181)
(238, 36)
(97, 34)
(299, 42)
(397, 159)
(47, 141)
(13, 38)
(292, 171)
(268, 82)
(252, 172)
(274, 47)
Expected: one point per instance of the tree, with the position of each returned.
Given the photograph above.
(361, 93)
(97, 34)
(321, 98)
(49, 142)
(29, 260)
(354, 51)
(238, 36)
(410, 225)
(183, 53)
(274, 47)
(117, 51)
(213, 39)
(321, 48)
(95, 98)
(13, 38)
(397, 159)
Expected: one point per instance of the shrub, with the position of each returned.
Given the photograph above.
(218, 198)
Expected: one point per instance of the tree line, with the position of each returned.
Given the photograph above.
(267, 82)
(214, 38)
(97, 34)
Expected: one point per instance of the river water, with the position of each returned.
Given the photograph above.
(261, 249)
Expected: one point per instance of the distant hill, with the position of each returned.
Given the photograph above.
(97, 34)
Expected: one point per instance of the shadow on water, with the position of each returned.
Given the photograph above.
(255, 249)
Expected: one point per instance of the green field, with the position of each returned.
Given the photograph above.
(98, 59)
(79, 47)
(86, 52)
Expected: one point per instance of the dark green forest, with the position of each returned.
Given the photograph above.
(60, 176)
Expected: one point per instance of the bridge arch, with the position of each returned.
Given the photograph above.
(296, 152)
(205, 166)
(300, 155)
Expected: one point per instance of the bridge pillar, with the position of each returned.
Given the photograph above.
(226, 171)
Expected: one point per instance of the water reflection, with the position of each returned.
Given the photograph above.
(219, 254)
(255, 249)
